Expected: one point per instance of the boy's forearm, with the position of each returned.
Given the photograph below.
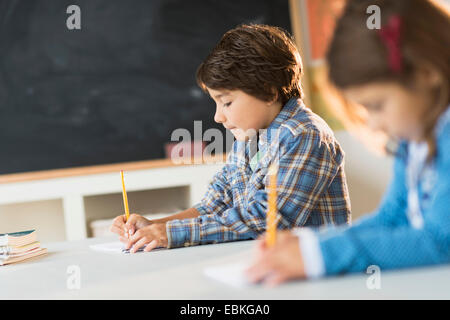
(186, 214)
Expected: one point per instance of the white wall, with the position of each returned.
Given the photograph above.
(367, 174)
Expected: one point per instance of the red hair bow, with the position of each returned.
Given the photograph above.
(390, 35)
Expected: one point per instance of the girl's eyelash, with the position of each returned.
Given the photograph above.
(375, 106)
(227, 104)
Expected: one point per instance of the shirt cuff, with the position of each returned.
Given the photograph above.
(200, 208)
(182, 233)
(311, 253)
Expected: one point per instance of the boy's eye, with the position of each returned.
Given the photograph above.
(227, 104)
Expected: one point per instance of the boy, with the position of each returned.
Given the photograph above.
(253, 75)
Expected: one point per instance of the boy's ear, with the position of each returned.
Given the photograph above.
(274, 97)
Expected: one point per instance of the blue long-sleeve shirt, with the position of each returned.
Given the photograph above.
(389, 238)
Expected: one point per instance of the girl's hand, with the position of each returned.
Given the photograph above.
(283, 262)
(125, 230)
(151, 236)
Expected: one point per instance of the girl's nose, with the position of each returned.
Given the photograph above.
(375, 123)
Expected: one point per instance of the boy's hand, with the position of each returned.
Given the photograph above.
(150, 236)
(125, 230)
(278, 264)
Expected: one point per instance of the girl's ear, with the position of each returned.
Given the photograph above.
(427, 75)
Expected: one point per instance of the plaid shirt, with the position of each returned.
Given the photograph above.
(311, 184)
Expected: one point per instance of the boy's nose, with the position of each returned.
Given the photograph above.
(219, 117)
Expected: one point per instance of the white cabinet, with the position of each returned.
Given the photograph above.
(63, 202)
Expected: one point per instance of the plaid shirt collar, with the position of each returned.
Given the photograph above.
(245, 150)
(288, 111)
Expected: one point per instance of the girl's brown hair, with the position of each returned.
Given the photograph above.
(260, 60)
(357, 55)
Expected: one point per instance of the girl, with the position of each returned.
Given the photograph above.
(399, 76)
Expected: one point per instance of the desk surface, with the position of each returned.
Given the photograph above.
(178, 274)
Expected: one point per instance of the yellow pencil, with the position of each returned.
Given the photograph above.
(125, 199)
(271, 218)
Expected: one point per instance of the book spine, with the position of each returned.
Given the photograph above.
(5, 250)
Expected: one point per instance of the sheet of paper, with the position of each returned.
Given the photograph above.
(230, 274)
(115, 247)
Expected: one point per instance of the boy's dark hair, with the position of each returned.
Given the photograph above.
(357, 55)
(260, 60)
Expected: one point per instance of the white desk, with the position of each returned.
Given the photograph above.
(178, 274)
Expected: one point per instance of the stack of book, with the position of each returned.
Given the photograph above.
(18, 246)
